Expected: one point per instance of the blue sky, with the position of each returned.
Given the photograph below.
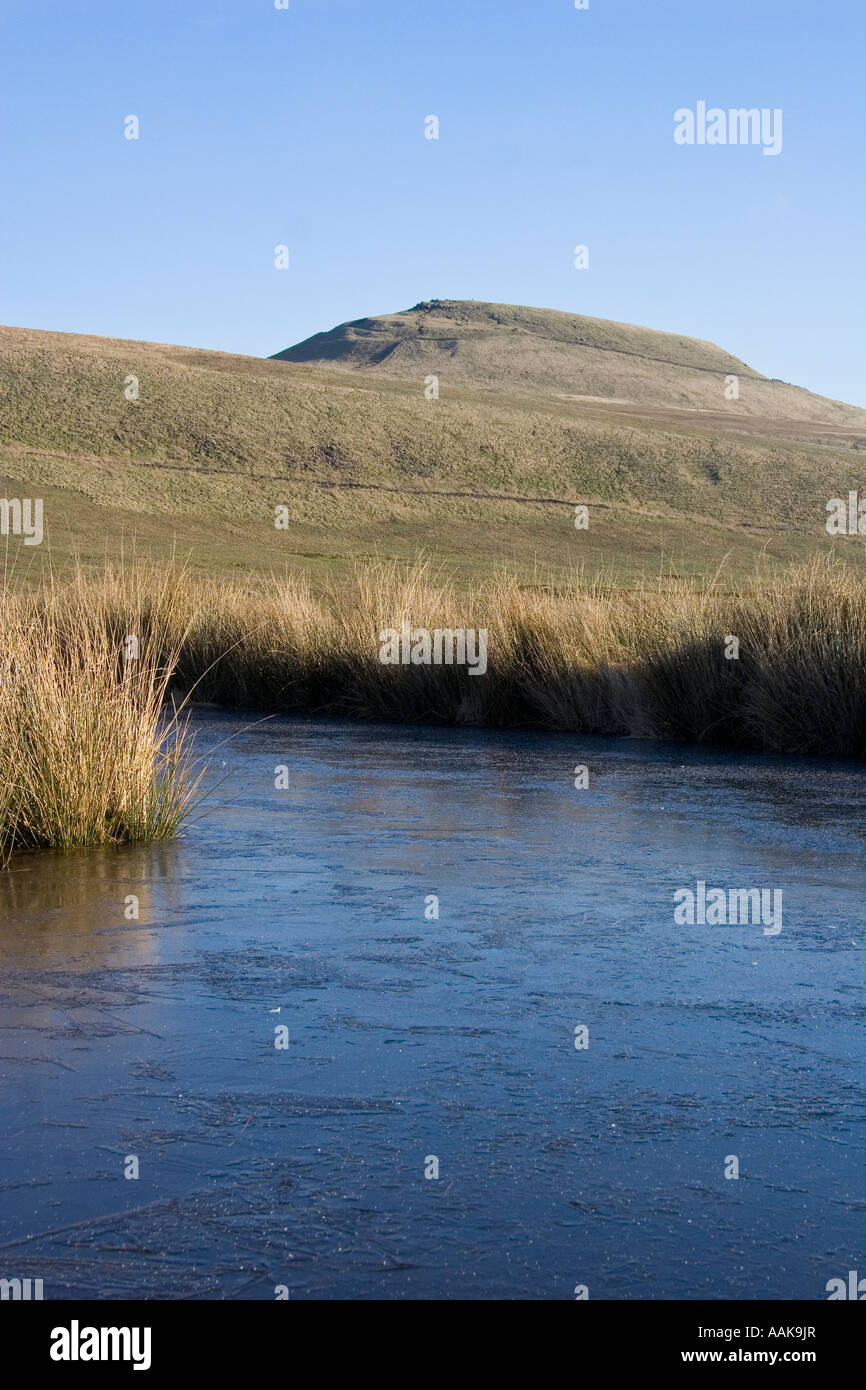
(306, 127)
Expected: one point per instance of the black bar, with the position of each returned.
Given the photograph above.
(249, 1337)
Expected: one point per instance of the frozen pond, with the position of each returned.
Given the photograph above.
(413, 1038)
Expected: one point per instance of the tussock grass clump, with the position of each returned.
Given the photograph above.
(90, 750)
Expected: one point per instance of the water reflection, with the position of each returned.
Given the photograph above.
(74, 908)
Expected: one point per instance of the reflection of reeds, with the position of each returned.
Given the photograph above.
(89, 752)
(88, 756)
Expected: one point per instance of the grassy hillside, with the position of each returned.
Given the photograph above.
(510, 348)
(367, 466)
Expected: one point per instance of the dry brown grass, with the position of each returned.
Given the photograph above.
(90, 755)
(584, 656)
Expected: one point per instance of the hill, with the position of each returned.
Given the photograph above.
(198, 452)
(513, 349)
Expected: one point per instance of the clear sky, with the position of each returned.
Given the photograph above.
(305, 127)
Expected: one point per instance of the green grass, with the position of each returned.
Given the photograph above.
(370, 469)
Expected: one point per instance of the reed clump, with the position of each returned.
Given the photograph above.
(92, 750)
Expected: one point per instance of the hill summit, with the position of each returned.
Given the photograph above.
(522, 351)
